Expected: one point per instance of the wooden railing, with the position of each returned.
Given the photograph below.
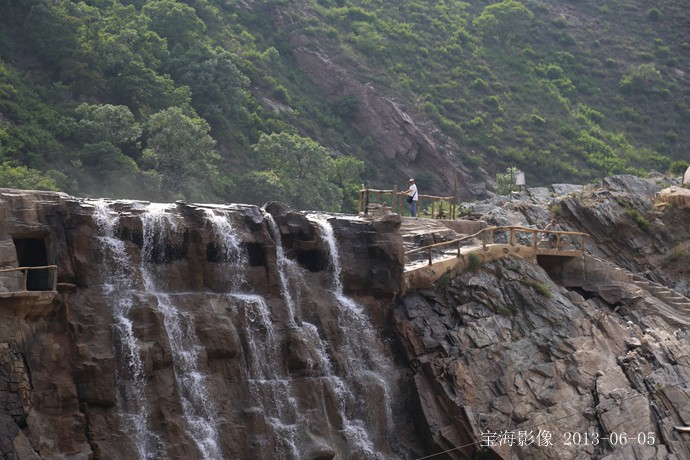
(27, 279)
(487, 236)
(442, 207)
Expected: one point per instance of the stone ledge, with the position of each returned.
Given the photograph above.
(27, 303)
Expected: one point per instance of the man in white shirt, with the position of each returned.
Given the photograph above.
(411, 192)
(551, 237)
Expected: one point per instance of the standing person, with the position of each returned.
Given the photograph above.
(412, 197)
(553, 226)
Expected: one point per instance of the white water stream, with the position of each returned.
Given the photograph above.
(201, 420)
(115, 267)
(365, 365)
(361, 374)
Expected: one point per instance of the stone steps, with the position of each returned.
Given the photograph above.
(664, 294)
(417, 233)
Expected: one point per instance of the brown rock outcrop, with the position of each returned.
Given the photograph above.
(185, 331)
(209, 331)
(673, 196)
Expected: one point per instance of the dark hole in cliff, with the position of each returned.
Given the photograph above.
(32, 252)
(165, 254)
(585, 294)
(135, 237)
(313, 260)
(220, 254)
(164, 251)
(256, 253)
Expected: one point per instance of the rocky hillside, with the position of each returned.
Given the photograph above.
(561, 362)
(209, 331)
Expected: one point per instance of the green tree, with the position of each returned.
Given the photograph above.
(304, 168)
(107, 123)
(175, 21)
(259, 187)
(219, 88)
(21, 177)
(347, 175)
(504, 21)
(505, 182)
(179, 147)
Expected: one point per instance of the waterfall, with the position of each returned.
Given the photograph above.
(286, 267)
(345, 390)
(199, 414)
(288, 369)
(228, 245)
(115, 267)
(269, 387)
(365, 364)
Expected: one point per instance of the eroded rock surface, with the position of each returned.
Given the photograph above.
(300, 352)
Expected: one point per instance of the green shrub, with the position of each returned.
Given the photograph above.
(654, 14)
(679, 256)
(474, 260)
(21, 177)
(479, 85)
(678, 168)
(639, 219)
(505, 182)
(639, 79)
(537, 120)
(540, 287)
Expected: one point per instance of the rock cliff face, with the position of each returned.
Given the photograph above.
(562, 359)
(183, 331)
(406, 139)
(209, 331)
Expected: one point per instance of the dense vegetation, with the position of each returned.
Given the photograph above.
(161, 99)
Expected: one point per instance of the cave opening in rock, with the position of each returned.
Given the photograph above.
(313, 260)
(256, 253)
(165, 253)
(32, 252)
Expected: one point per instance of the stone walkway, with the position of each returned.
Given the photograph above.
(417, 233)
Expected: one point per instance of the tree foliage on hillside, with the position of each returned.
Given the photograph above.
(299, 171)
(164, 99)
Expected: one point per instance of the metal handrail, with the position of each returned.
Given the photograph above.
(512, 240)
(52, 270)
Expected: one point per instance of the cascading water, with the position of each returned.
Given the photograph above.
(351, 410)
(115, 267)
(229, 248)
(286, 268)
(268, 385)
(363, 355)
(199, 414)
(279, 399)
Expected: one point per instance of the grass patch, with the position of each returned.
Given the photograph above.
(639, 219)
(679, 255)
(540, 287)
(474, 260)
(556, 210)
(443, 282)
